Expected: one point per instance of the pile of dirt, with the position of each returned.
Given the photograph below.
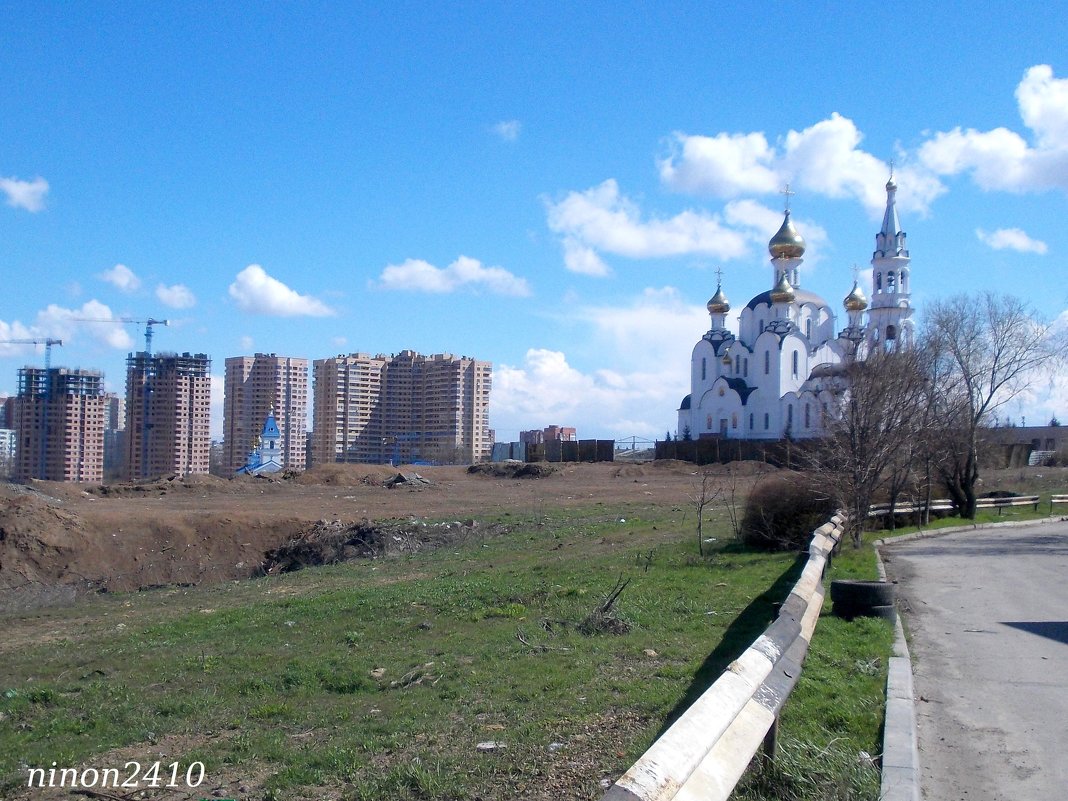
(331, 542)
(512, 469)
(174, 483)
(346, 475)
(36, 538)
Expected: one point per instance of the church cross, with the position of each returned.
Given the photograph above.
(719, 276)
(787, 192)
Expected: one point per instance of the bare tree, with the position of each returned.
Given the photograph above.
(880, 404)
(988, 349)
(705, 493)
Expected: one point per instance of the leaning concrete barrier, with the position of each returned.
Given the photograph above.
(704, 753)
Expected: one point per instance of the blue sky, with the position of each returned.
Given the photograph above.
(548, 188)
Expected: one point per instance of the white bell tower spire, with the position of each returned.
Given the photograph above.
(889, 317)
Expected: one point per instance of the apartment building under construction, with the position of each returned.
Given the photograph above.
(168, 397)
(401, 408)
(256, 386)
(59, 424)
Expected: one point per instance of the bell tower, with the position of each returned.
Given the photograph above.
(890, 313)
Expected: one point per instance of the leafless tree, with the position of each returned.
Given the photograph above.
(988, 350)
(705, 492)
(880, 404)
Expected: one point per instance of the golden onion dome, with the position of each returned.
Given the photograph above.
(855, 300)
(719, 303)
(787, 243)
(783, 292)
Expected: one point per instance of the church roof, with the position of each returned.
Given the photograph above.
(270, 427)
(800, 296)
(686, 403)
(742, 388)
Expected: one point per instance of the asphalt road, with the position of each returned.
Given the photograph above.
(987, 613)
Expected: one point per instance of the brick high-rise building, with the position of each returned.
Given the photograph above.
(168, 398)
(401, 408)
(256, 386)
(59, 424)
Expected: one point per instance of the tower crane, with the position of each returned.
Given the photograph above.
(128, 320)
(48, 342)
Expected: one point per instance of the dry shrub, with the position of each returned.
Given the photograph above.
(783, 510)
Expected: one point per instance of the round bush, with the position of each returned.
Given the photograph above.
(782, 512)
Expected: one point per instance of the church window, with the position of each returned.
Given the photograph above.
(808, 422)
(767, 362)
(793, 364)
(761, 326)
(704, 366)
(737, 366)
(789, 415)
(891, 282)
(745, 367)
(734, 420)
(751, 425)
(767, 421)
(808, 328)
(878, 282)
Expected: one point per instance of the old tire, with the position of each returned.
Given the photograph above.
(861, 594)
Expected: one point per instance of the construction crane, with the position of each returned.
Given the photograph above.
(48, 342)
(128, 320)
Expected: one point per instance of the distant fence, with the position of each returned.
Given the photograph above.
(706, 751)
(720, 450)
(583, 450)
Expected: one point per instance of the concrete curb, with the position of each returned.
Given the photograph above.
(901, 752)
(939, 532)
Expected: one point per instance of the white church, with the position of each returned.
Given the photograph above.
(775, 377)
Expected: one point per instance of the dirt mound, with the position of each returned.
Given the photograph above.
(346, 475)
(201, 484)
(37, 541)
(512, 469)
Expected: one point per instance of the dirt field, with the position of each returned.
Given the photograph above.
(59, 540)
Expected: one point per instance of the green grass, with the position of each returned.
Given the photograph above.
(378, 679)
(835, 714)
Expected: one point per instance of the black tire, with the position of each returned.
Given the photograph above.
(854, 593)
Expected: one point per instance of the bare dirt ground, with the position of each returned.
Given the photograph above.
(61, 540)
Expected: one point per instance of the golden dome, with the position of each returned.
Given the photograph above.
(787, 243)
(855, 300)
(783, 292)
(719, 303)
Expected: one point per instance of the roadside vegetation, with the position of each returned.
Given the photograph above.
(459, 673)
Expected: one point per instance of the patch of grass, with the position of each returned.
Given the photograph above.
(383, 676)
(828, 738)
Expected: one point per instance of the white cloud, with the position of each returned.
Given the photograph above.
(602, 219)
(645, 349)
(246, 343)
(1011, 239)
(1002, 159)
(759, 223)
(508, 130)
(257, 292)
(420, 276)
(825, 159)
(178, 296)
(93, 318)
(27, 195)
(121, 277)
